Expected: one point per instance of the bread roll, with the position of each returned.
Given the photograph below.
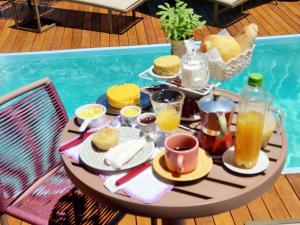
(106, 138)
(227, 46)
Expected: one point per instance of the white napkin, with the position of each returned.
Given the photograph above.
(122, 153)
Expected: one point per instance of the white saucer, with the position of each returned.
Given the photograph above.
(151, 72)
(261, 165)
(192, 118)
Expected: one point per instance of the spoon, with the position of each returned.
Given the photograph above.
(84, 125)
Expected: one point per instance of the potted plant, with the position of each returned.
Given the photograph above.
(179, 23)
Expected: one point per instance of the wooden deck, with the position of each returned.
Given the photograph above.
(81, 26)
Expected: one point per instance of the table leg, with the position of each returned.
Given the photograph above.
(153, 221)
(173, 222)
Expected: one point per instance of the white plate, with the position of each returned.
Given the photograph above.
(261, 165)
(151, 72)
(95, 159)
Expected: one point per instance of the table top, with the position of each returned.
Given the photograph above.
(219, 191)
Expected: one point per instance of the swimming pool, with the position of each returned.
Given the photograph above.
(80, 76)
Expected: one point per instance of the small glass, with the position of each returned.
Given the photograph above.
(167, 106)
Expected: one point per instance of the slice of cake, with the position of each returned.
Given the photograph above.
(168, 65)
(119, 96)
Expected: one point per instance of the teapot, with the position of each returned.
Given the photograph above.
(216, 116)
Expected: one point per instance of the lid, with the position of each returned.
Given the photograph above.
(194, 58)
(255, 79)
(217, 104)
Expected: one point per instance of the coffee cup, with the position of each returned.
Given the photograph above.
(181, 153)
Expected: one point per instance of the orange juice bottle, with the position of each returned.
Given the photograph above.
(249, 132)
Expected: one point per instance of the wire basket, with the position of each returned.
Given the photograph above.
(220, 71)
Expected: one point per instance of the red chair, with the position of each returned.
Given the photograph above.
(33, 183)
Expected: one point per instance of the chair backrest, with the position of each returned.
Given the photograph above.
(31, 122)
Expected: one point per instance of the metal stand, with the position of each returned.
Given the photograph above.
(174, 83)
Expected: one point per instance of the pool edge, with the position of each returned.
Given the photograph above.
(262, 38)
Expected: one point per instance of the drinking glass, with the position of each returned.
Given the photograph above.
(167, 106)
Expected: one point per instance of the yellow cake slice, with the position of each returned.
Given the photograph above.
(168, 65)
(119, 96)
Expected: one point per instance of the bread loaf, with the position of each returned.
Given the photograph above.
(227, 46)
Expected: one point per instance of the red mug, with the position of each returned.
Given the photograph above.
(181, 155)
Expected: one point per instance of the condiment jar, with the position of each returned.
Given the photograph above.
(195, 72)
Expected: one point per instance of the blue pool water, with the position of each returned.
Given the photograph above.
(80, 76)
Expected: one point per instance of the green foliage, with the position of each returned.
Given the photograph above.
(179, 22)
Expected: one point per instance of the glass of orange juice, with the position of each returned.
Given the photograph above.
(167, 106)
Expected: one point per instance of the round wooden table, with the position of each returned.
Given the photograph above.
(219, 191)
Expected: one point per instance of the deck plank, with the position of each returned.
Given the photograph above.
(223, 219)
(86, 28)
(294, 180)
(208, 220)
(258, 210)
(288, 197)
(240, 215)
(274, 204)
(95, 26)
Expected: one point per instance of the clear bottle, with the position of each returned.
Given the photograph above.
(249, 132)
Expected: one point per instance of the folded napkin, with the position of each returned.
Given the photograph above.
(122, 153)
(146, 186)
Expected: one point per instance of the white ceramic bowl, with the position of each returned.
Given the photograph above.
(94, 121)
(130, 118)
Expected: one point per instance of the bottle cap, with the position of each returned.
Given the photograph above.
(255, 79)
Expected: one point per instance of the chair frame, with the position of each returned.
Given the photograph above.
(12, 205)
(40, 28)
(217, 3)
(5, 99)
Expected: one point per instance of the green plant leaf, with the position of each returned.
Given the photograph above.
(179, 22)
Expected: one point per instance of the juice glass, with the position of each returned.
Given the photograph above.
(167, 106)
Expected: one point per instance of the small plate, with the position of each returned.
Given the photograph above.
(204, 166)
(152, 73)
(144, 103)
(261, 165)
(193, 118)
(95, 159)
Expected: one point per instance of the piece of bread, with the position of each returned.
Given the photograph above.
(227, 46)
(168, 65)
(119, 96)
(106, 138)
(247, 36)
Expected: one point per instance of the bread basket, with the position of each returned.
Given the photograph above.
(220, 71)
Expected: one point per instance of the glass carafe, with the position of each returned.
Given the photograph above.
(253, 103)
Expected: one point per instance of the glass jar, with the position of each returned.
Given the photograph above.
(195, 72)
